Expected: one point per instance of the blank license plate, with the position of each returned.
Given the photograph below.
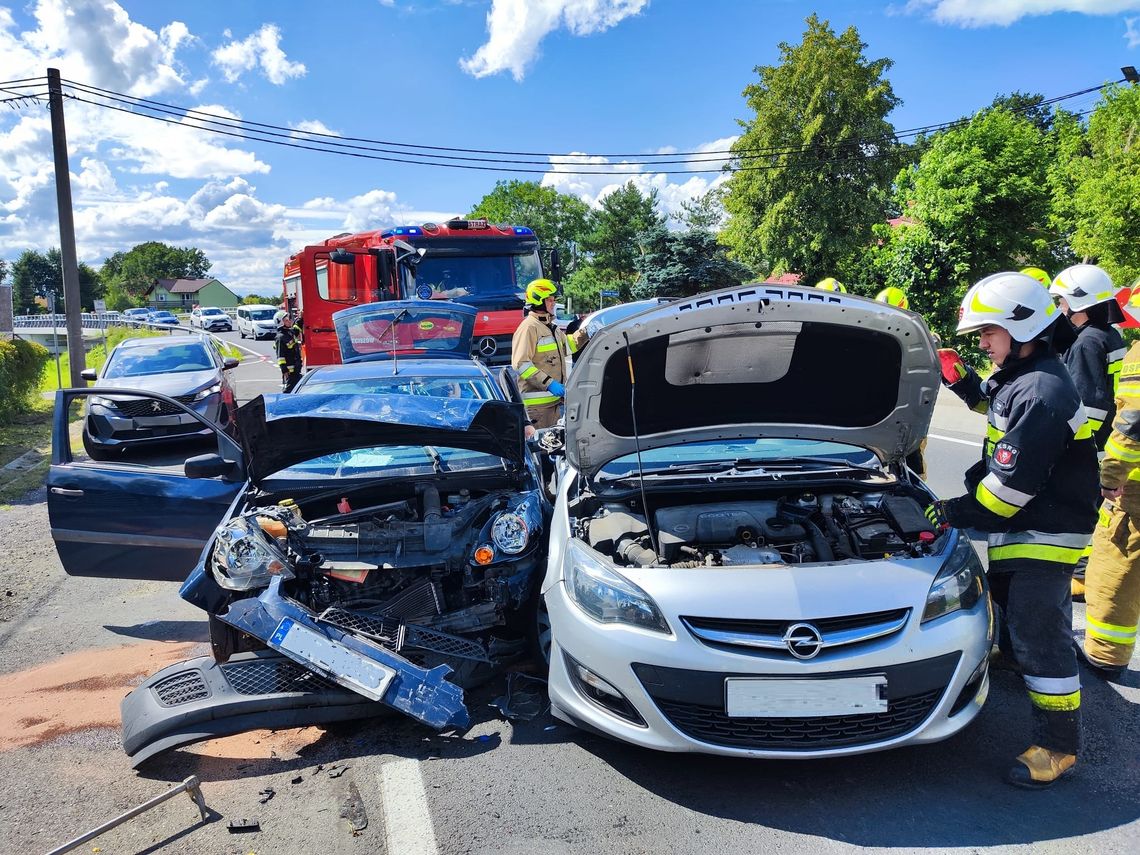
(359, 673)
(754, 697)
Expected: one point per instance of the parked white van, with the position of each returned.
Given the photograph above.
(256, 321)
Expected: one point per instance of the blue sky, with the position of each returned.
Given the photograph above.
(584, 77)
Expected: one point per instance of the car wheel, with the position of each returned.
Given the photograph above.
(540, 634)
(241, 332)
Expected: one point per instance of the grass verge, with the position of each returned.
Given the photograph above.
(26, 439)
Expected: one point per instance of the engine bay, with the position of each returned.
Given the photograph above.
(791, 528)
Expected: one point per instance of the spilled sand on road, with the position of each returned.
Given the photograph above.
(259, 744)
(78, 692)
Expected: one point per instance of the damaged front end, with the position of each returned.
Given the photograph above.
(403, 595)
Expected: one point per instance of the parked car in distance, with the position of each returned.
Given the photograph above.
(188, 368)
(563, 318)
(211, 319)
(137, 315)
(377, 538)
(747, 569)
(596, 321)
(256, 321)
(161, 316)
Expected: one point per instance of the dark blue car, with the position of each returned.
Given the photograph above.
(375, 537)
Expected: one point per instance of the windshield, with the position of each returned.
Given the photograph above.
(474, 388)
(173, 359)
(758, 451)
(470, 270)
(212, 312)
(262, 314)
(388, 461)
(163, 315)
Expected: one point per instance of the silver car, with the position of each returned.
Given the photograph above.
(739, 561)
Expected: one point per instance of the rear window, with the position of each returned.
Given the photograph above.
(473, 388)
(773, 373)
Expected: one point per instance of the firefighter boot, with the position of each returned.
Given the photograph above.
(1039, 767)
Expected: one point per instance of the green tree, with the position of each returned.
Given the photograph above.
(680, 264)
(816, 159)
(1028, 106)
(583, 287)
(704, 212)
(260, 300)
(615, 227)
(982, 191)
(33, 275)
(558, 219)
(3, 270)
(1106, 212)
(134, 271)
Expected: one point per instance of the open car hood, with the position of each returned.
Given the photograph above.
(279, 431)
(751, 362)
(408, 328)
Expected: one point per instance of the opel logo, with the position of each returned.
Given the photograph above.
(803, 640)
(488, 346)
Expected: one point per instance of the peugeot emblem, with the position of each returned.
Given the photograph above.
(803, 640)
(156, 406)
(488, 346)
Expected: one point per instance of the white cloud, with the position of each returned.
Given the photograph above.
(1132, 31)
(981, 13)
(515, 28)
(263, 49)
(313, 126)
(672, 190)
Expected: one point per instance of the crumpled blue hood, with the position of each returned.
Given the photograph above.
(279, 431)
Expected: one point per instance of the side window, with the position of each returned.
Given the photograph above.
(323, 282)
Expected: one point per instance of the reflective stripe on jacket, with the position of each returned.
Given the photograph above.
(540, 353)
(1121, 462)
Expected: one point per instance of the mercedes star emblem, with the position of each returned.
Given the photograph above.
(804, 640)
(487, 346)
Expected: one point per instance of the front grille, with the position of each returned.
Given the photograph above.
(443, 643)
(779, 627)
(182, 688)
(135, 408)
(712, 725)
(271, 677)
(388, 631)
(767, 635)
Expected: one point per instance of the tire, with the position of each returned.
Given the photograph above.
(241, 333)
(538, 620)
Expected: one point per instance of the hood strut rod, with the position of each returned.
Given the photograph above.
(637, 448)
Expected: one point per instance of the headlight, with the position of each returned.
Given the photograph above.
(95, 400)
(510, 533)
(244, 557)
(607, 596)
(960, 583)
(208, 391)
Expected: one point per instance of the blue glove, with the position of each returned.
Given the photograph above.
(556, 388)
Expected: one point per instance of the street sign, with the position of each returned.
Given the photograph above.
(610, 293)
(100, 305)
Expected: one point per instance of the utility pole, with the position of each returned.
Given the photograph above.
(76, 353)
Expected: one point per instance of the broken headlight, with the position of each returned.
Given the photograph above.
(244, 557)
(512, 531)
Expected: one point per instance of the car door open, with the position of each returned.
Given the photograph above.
(138, 516)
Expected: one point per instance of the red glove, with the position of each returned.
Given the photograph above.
(953, 368)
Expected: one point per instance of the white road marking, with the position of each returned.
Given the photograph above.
(407, 819)
(954, 439)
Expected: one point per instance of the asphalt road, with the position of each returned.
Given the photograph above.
(70, 648)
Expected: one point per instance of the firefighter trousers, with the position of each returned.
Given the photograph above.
(1112, 587)
(1036, 611)
(544, 416)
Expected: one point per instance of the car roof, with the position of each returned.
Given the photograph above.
(162, 340)
(259, 306)
(405, 367)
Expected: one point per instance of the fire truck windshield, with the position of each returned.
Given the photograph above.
(473, 271)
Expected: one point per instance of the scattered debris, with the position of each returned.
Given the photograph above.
(337, 771)
(318, 769)
(352, 809)
(267, 794)
(525, 699)
(298, 779)
(243, 826)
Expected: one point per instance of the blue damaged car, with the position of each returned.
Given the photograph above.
(352, 549)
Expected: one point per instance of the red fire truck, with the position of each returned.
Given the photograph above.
(472, 262)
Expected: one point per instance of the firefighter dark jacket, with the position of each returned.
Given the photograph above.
(1038, 472)
(288, 348)
(1094, 361)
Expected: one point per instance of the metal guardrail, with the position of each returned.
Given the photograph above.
(90, 321)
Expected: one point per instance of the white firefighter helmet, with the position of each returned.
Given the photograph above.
(1013, 301)
(1083, 286)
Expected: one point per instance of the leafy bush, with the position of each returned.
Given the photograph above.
(21, 363)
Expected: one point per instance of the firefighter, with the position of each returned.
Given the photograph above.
(893, 297)
(1113, 578)
(1088, 298)
(542, 353)
(831, 284)
(288, 348)
(1034, 494)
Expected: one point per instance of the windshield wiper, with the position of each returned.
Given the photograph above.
(754, 465)
(436, 460)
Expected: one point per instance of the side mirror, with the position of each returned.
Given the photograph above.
(342, 256)
(230, 363)
(88, 374)
(555, 266)
(207, 466)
